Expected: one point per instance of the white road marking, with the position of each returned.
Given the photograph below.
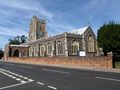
(52, 87)
(4, 73)
(40, 83)
(25, 77)
(17, 75)
(2, 69)
(23, 81)
(20, 76)
(13, 73)
(51, 70)
(9, 72)
(30, 80)
(111, 79)
(14, 85)
(9, 75)
(18, 79)
(13, 77)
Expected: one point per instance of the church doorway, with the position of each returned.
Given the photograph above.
(16, 53)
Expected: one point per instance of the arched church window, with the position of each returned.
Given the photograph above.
(36, 50)
(90, 38)
(49, 49)
(42, 48)
(75, 47)
(60, 47)
(90, 44)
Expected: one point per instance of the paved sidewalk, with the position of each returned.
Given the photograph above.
(114, 70)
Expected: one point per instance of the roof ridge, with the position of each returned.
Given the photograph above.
(80, 30)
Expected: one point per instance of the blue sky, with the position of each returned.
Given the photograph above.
(60, 15)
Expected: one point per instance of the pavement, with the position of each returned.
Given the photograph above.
(19, 76)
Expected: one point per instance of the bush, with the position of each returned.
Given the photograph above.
(1, 54)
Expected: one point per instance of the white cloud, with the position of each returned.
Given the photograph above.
(34, 7)
(17, 4)
(95, 5)
(59, 27)
(12, 31)
(27, 5)
(24, 10)
(4, 40)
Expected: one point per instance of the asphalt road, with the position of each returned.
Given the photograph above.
(14, 76)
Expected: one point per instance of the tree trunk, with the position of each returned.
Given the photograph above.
(113, 60)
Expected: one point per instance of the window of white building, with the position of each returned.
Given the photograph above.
(42, 50)
(59, 47)
(49, 47)
(90, 44)
(75, 47)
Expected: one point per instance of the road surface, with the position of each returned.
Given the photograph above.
(16, 76)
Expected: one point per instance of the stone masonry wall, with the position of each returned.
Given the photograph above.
(99, 62)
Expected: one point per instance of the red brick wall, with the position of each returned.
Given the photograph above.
(102, 61)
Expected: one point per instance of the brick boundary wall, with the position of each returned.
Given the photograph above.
(99, 61)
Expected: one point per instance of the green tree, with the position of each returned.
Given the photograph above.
(23, 39)
(18, 40)
(108, 38)
(1, 53)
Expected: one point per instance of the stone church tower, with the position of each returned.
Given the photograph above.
(37, 29)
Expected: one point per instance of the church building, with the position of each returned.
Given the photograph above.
(61, 45)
